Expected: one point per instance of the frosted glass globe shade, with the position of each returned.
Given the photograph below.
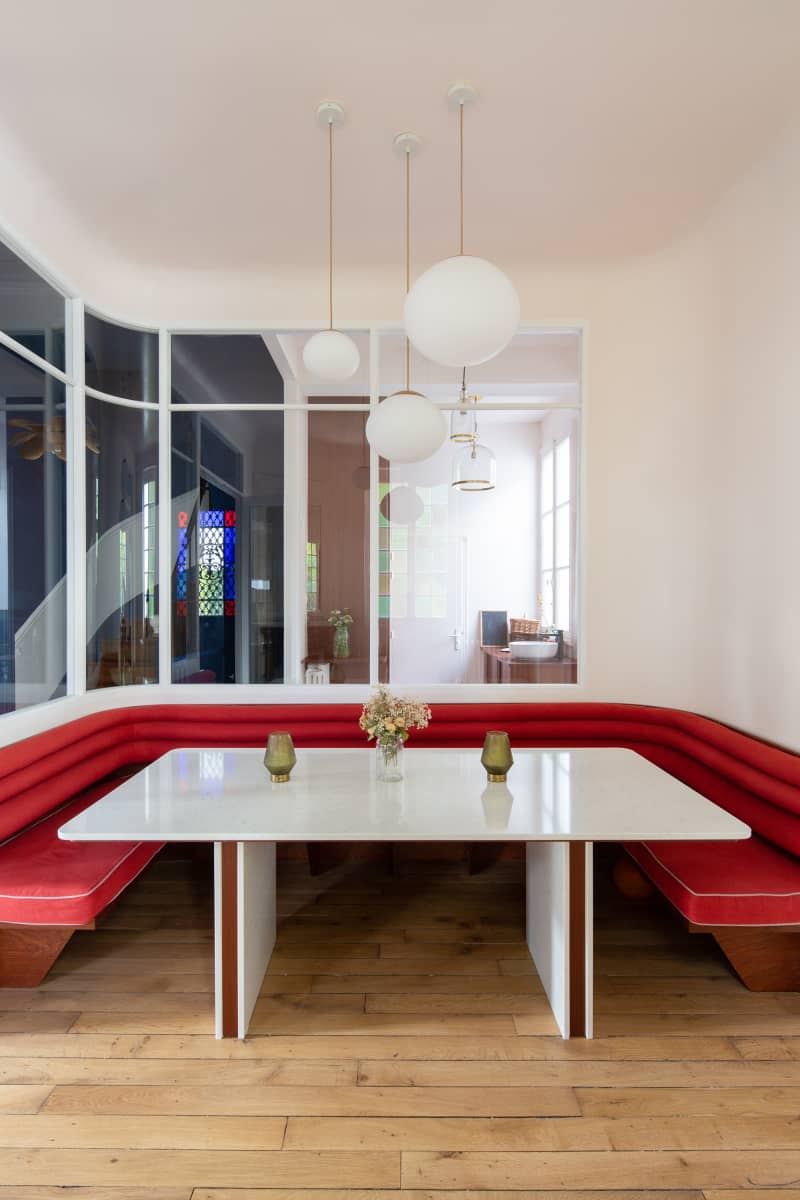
(330, 354)
(461, 311)
(407, 427)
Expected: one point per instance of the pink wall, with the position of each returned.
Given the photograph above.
(753, 674)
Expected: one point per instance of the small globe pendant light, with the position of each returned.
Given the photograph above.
(406, 427)
(330, 354)
(463, 310)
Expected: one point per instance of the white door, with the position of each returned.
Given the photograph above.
(428, 595)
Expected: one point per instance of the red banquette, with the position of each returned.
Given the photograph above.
(746, 893)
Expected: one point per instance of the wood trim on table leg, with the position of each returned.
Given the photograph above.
(577, 939)
(228, 933)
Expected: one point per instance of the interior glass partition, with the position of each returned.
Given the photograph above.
(33, 534)
(274, 502)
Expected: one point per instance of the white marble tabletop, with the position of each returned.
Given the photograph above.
(601, 794)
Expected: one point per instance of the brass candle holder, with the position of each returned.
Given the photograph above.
(280, 756)
(497, 757)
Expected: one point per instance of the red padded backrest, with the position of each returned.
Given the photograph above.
(758, 782)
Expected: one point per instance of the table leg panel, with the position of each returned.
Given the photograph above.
(559, 929)
(256, 924)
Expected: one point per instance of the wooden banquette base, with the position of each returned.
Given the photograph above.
(27, 952)
(766, 960)
(47, 772)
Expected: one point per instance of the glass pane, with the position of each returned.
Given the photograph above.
(547, 599)
(562, 472)
(337, 634)
(491, 551)
(562, 606)
(224, 369)
(121, 544)
(455, 554)
(547, 481)
(563, 556)
(121, 361)
(227, 548)
(547, 541)
(31, 311)
(33, 537)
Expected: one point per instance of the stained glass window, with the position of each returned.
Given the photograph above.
(182, 564)
(216, 558)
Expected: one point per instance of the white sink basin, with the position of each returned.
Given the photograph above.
(533, 649)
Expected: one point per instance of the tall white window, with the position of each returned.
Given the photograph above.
(555, 541)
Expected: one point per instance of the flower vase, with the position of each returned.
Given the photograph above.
(341, 641)
(389, 760)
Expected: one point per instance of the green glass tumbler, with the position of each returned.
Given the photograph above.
(280, 756)
(496, 756)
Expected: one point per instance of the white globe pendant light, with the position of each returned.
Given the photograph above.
(330, 354)
(406, 427)
(463, 310)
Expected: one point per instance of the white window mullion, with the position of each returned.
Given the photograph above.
(165, 599)
(295, 536)
(76, 500)
(374, 537)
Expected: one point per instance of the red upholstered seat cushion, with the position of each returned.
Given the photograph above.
(44, 881)
(724, 883)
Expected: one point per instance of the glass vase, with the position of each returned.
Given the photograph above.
(341, 641)
(389, 761)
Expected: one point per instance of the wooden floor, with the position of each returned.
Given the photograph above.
(402, 1042)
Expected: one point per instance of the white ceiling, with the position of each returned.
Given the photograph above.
(181, 133)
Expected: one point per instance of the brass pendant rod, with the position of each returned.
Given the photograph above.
(461, 176)
(330, 224)
(408, 257)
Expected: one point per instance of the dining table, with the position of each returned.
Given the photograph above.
(558, 802)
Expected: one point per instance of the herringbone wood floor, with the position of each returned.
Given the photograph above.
(402, 1042)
